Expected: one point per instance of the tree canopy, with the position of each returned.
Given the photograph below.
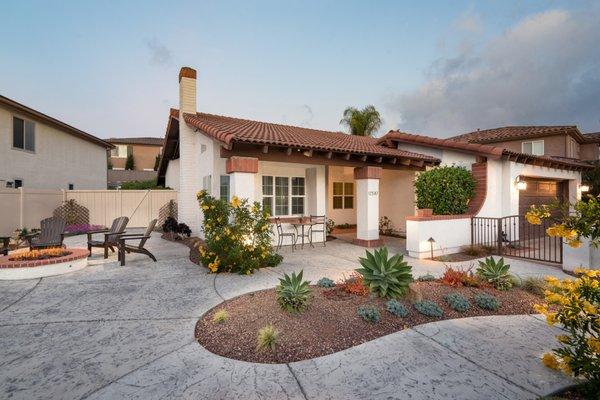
(363, 122)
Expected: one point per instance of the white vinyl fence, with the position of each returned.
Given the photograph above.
(25, 208)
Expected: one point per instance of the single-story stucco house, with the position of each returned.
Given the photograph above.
(299, 171)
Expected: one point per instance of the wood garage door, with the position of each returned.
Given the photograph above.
(540, 192)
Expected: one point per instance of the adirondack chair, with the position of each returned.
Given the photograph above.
(52, 234)
(126, 248)
(111, 236)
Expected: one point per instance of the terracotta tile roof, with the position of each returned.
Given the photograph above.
(517, 132)
(397, 136)
(116, 176)
(592, 137)
(153, 141)
(228, 130)
(483, 150)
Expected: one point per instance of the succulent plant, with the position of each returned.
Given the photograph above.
(325, 282)
(267, 338)
(429, 308)
(487, 301)
(495, 272)
(396, 308)
(369, 313)
(457, 302)
(293, 293)
(387, 277)
(426, 278)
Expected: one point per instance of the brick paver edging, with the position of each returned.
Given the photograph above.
(76, 254)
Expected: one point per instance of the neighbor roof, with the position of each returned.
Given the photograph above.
(483, 150)
(592, 137)
(228, 130)
(518, 132)
(34, 114)
(151, 141)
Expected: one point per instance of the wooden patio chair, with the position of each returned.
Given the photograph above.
(320, 222)
(52, 234)
(111, 236)
(125, 248)
(281, 234)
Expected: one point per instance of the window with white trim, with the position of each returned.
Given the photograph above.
(206, 184)
(343, 195)
(283, 195)
(535, 148)
(224, 187)
(23, 134)
(120, 151)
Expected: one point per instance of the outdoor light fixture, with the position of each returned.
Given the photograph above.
(584, 188)
(519, 184)
(431, 242)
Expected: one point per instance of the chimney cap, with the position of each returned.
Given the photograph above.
(187, 72)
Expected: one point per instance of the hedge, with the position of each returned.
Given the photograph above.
(446, 190)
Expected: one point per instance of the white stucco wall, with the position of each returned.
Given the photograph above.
(59, 159)
(172, 174)
(449, 236)
(397, 196)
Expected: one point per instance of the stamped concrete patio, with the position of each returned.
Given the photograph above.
(110, 332)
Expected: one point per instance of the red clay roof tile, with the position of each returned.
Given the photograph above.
(517, 132)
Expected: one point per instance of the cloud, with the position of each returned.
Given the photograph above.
(159, 53)
(543, 70)
(469, 22)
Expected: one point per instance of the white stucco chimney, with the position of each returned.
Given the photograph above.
(190, 181)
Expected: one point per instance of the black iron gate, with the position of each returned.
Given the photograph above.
(514, 236)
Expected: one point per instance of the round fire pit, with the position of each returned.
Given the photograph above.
(32, 269)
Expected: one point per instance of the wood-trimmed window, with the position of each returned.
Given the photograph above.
(283, 195)
(343, 195)
(535, 147)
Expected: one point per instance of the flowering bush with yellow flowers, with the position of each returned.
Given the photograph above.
(236, 236)
(583, 221)
(575, 304)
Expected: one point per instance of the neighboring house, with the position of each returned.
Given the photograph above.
(297, 171)
(144, 150)
(41, 152)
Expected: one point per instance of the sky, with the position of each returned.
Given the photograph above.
(438, 68)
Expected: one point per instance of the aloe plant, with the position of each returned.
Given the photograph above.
(386, 277)
(293, 294)
(495, 272)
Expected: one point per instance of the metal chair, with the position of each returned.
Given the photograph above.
(111, 236)
(281, 234)
(125, 248)
(52, 234)
(319, 221)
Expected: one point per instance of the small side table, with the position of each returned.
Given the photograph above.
(302, 224)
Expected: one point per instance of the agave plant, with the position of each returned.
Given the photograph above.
(495, 272)
(386, 277)
(293, 294)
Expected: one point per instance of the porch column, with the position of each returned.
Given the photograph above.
(367, 206)
(242, 171)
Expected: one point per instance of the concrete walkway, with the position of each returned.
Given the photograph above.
(111, 332)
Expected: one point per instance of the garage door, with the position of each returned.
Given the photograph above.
(540, 192)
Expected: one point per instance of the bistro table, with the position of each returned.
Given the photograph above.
(301, 223)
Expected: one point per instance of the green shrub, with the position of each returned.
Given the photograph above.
(429, 308)
(534, 285)
(457, 302)
(426, 278)
(495, 272)
(142, 185)
(487, 301)
(130, 162)
(293, 293)
(267, 338)
(329, 226)
(325, 282)
(220, 316)
(369, 313)
(236, 236)
(387, 277)
(396, 308)
(446, 190)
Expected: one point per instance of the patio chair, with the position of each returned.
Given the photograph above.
(126, 248)
(111, 236)
(320, 222)
(281, 234)
(4, 247)
(52, 234)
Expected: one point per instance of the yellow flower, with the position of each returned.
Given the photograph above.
(550, 361)
(205, 207)
(533, 218)
(589, 308)
(594, 345)
(235, 202)
(540, 308)
(551, 318)
(565, 366)
(563, 338)
(575, 243)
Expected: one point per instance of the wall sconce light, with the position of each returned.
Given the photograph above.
(519, 184)
(584, 188)
(431, 242)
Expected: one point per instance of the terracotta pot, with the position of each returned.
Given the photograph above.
(424, 212)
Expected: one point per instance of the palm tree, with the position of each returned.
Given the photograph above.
(363, 122)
